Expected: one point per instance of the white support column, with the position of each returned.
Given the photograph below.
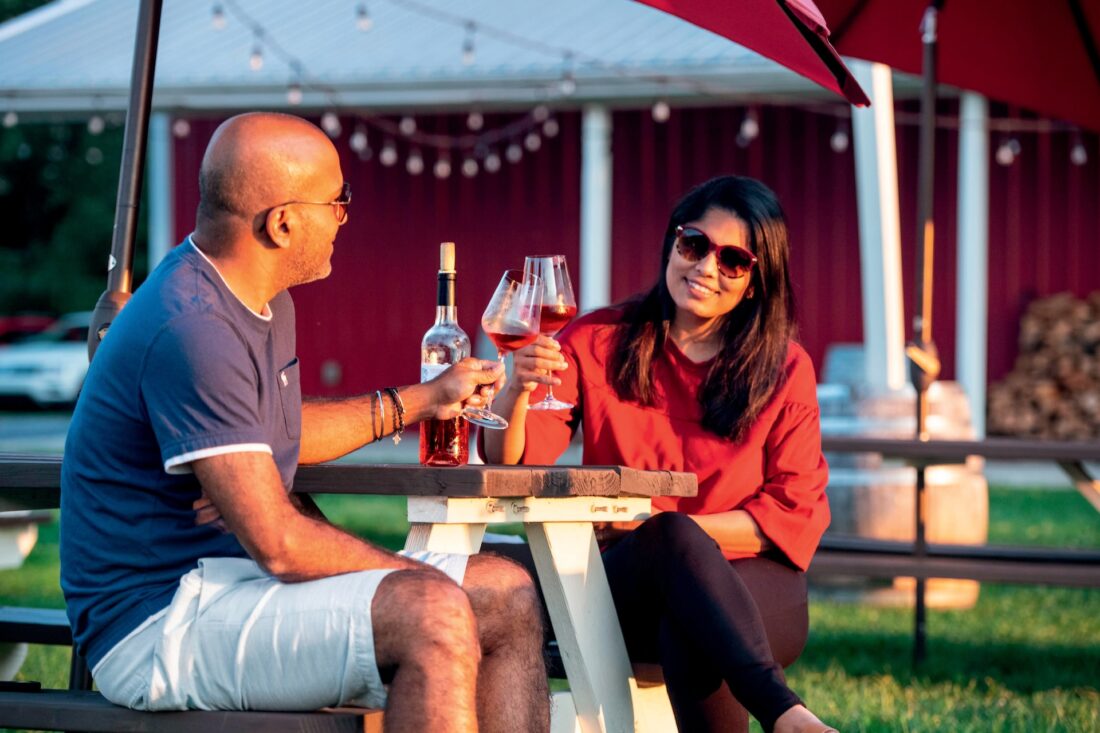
(160, 173)
(879, 229)
(973, 247)
(595, 265)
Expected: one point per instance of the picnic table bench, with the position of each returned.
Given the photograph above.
(450, 509)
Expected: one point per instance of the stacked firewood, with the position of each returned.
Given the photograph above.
(1054, 389)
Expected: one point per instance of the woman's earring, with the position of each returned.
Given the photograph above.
(750, 292)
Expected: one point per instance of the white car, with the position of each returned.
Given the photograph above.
(48, 367)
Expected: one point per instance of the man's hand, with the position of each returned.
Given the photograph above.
(207, 514)
(464, 383)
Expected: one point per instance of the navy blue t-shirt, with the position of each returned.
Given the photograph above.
(186, 371)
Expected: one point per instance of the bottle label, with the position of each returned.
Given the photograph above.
(429, 372)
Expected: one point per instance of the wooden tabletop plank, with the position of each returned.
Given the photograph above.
(31, 482)
(1003, 449)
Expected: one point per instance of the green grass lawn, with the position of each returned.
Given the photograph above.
(1023, 659)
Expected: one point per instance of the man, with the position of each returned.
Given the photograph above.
(193, 578)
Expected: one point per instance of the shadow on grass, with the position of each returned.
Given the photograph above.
(1022, 667)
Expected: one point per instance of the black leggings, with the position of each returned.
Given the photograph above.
(720, 630)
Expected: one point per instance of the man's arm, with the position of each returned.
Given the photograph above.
(247, 492)
(332, 428)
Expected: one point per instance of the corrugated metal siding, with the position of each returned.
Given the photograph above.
(369, 315)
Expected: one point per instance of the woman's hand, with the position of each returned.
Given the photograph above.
(535, 364)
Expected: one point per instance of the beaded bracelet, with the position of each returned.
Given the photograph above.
(399, 409)
(381, 409)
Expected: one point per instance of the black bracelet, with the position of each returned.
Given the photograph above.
(399, 414)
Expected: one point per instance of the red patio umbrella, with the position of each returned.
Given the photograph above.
(790, 32)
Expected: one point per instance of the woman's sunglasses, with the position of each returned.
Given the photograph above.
(733, 261)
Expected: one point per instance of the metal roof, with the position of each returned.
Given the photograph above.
(75, 55)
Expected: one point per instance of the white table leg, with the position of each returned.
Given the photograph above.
(460, 539)
(579, 601)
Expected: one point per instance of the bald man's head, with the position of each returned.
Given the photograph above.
(258, 160)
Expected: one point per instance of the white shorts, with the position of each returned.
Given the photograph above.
(235, 638)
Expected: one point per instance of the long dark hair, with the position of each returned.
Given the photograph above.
(754, 336)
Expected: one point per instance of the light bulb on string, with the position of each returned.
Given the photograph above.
(256, 60)
(294, 94)
(11, 119)
(358, 140)
(1007, 151)
(568, 84)
(532, 142)
(388, 156)
(330, 123)
(540, 113)
(514, 153)
(468, 44)
(96, 124)
(469, 167)
(550, 128)
(660, 111)
(362, 18)
(414, 164)
(841, 139)
(93, 156)
(749, 129)
(181, 128)
(217, 17)
(492, 162)
(407, 125)
(475, 121)
(1078, 154)
(442, 167)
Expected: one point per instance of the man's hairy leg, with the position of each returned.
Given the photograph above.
(512, 693)
(426, 646)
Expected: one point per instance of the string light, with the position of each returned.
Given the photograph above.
(294, 94)
(388, 156)
(330, 123)
(469, 167)
(181, 128)
(841, 138)
(532, 142)
(1007, 151)
(11, 119)
(514, 153)
(358, 140)
(540, 113)
(568, 84)
(96, 125)
(407, 126)
(550, 128)
(1078, 154)
(414, 164)
(660, 111)
(468, 44)
(492, 162)
(475, 121)
(256, 60)
(362, 18)
(749, 130)
(442, 168)
(217, 17)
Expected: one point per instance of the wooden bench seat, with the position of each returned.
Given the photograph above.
(90, 711)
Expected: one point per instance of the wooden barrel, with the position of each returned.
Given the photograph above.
(874, 498)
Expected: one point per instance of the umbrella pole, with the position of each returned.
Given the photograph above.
(924, 363)
(131, 174)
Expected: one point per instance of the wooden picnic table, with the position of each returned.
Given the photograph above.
(450, 508)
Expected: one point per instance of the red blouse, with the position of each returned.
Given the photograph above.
(777, 474)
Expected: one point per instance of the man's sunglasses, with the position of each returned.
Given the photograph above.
(339, 205)
(694, 245)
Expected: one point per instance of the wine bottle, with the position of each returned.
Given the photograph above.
(444, 442)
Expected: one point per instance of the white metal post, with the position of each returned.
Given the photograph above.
(160, 175)
(595, 265)
(879, 229)
(973, 247)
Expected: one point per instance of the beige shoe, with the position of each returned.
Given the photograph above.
(800, 720)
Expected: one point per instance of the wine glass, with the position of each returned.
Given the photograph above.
(511, 321)
(558, 308)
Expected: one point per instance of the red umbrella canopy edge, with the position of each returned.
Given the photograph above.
(1041, 55)
(790, 32)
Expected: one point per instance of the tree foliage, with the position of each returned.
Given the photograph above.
(58, 184)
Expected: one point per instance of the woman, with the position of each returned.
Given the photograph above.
(699, 374)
